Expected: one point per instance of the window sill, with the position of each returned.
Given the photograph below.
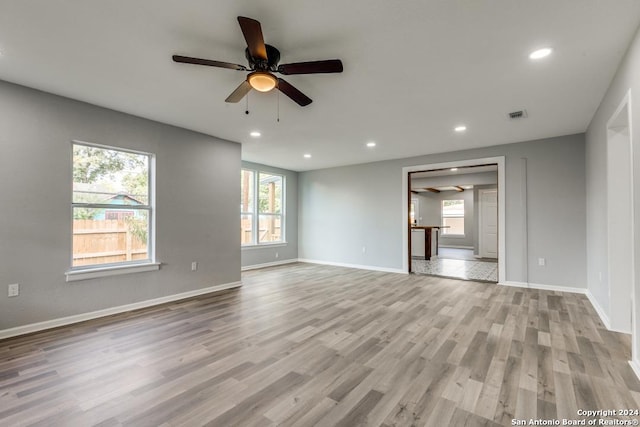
(92, 273)
(264, 245)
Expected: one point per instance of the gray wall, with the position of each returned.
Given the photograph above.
(433, 215)
(257, 255)
(339, 214)
(197, 207)
(627, 77)
(429, 209)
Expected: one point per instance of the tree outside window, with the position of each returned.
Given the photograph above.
(111, 206)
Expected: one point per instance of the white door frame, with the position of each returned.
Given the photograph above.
(500, 161)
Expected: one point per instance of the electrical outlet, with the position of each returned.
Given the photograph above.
(14, 290)
(542, 262)
(277, 255)
(194, 266)
(364, 249)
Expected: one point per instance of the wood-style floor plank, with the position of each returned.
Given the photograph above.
(304, 345)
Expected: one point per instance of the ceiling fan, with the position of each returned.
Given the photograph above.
(263, 62)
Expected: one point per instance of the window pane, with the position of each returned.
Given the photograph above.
(270, 197)
(246, 191)
(413, 211)
(453, 208)
(270, 228)
(246, 229)
(456, 224)
(110, 177)
(453, 216)
(107, 236)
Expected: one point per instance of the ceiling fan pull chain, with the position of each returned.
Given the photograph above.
(278, 96)
(247, 110)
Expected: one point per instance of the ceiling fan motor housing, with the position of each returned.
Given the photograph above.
(271, 64)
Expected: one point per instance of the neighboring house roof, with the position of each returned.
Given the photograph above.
(128, 200)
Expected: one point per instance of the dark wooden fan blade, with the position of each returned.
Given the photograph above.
(312, 67)
(209, 62)
(239, 93)
(252, 32)
(300, 98)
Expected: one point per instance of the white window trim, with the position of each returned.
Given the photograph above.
(94, 271)
(111, 270)
(442, 217)
(263, 245)
(255, 215)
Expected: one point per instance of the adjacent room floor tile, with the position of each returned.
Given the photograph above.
(458, 268)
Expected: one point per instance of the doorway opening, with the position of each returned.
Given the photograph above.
(620, 219)
(454, 219)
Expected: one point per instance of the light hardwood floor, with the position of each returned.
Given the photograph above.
(316, 345)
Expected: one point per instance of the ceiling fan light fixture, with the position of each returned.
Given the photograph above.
(261, 81)
(540, 53)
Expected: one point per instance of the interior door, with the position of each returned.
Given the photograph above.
(488, 236)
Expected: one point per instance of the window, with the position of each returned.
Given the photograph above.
(112, 207)
(247, 207)
(261, 208)
(414, 212)
(453, 217)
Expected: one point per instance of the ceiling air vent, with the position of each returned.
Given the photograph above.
(520, 114)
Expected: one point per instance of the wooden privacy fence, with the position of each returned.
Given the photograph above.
(105, 241)
(110, 241)
(270, 230)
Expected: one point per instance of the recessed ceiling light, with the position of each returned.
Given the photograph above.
(540, 53)
(453, 169)
(255, 134)
(460, 128)
(371, 144)
(307, 156)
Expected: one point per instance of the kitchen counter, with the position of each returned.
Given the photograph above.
(430, 247)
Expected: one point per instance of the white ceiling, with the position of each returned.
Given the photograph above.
(413, 69)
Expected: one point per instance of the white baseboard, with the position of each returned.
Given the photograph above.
(635, 365)
(598, 308)
(269, 264)
(54, 323)
(602, 314)
(455, 246)
(358, 266)
(544, 287)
